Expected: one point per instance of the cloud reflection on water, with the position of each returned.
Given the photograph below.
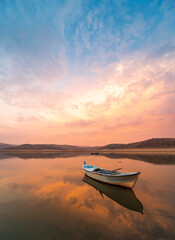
(46, 199)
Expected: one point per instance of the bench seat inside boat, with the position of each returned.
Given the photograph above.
(104, 171)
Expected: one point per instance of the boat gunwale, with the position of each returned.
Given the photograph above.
(109, 175)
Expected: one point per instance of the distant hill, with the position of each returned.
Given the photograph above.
(150, 143)
(5, 145)
(46, 147)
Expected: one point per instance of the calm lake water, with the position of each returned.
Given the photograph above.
(49, 197)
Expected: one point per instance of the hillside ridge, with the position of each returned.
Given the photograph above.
(149, 143)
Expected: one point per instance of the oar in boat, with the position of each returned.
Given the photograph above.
(116, 169)
(107, 171)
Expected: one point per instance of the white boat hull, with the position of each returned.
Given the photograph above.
(121, 179)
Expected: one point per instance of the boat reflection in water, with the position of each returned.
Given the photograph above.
(123, 196)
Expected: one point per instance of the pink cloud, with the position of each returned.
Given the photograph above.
(128, 100)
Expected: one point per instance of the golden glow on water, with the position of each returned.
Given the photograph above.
(47, 197)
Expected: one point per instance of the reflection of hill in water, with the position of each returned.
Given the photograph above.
(151, 158)
(27, 155)
(123, 196)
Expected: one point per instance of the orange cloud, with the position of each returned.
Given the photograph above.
(130, 100)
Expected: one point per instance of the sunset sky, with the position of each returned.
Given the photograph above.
(86, 72)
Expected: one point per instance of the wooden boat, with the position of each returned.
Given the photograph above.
(123, 196)
(114, 177)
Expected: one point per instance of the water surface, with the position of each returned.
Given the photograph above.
(50, 198)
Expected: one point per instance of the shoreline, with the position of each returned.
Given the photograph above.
(125, 151)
